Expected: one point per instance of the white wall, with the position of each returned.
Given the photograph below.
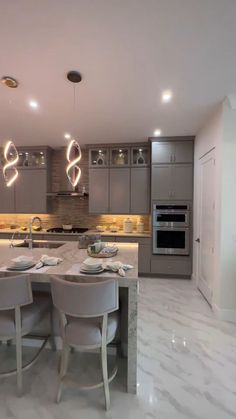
(219, 133)
(226, 299)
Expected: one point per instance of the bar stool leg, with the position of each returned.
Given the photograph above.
(63, 368)
(52, 336)
(18, 350)
(104, 362)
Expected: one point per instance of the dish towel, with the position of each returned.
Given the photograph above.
(46, 260)
(118, 267)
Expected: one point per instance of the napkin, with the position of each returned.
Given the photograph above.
(118, 267)
(46, 260)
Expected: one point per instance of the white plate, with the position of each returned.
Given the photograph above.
(91, 272)
(14, 268)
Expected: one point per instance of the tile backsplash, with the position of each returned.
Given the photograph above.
(71, 210)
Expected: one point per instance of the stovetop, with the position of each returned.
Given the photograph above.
(73, 230)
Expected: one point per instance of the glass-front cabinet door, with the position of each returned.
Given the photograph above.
(98, 157)
(32, 157)
(140, 156)
(120, 156)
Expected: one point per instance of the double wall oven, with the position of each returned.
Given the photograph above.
(171, 232)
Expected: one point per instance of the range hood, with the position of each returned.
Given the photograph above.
(64, 186)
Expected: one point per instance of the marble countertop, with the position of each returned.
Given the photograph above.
(72, 258)
(106, 233)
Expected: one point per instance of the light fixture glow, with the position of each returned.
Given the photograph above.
(157, 133)
(72, 170)
(167, 96)
(33, 104)
(67, 136)
(10, 164)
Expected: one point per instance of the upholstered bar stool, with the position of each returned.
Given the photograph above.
(19, 314)
(89, 320)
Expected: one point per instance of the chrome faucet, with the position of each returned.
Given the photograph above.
(30, 240)
(12, 238)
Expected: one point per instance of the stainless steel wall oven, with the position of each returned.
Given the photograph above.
(171, 234)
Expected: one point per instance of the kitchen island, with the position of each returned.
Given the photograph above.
(69, 269)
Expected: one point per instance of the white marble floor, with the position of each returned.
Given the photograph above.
(186, 367)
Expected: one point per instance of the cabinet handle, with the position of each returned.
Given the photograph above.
(171, 158)
(174, 158)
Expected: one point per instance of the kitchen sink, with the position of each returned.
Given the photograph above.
(39, 245)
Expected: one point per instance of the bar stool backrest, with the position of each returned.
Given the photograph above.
(85, 299)
(15, 291)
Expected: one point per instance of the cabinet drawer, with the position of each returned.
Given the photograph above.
(127, 239)
(167, 265)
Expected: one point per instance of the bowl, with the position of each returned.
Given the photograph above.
(67, 227)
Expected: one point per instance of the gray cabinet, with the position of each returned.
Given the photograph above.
(162, 152)
(123, 187)
(31, 191)
(183, 152)
(140, 190)
(172, 152)
(172, 182)
(120, 191)
(99, 191)
(161, 182)
(182, 181)
(7, 201)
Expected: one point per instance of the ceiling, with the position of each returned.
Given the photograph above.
(128, 52)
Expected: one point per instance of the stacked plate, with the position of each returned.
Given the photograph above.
(91, 266)
(21, 263)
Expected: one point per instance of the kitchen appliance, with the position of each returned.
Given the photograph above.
(140, 226)
(128, 225)
(75, 230)
(171, 232)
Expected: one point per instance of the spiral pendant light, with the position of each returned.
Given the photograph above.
(73, 152)
(11, 158)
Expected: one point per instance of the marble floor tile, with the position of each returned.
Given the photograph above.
(186, 366)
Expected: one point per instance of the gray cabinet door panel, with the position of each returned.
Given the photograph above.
(120, 191)
(162, 152)
(7, 204)
(144, 259)
(182, 175)
(98, 191)
(183, 152)
(161, 181)
(140, 190)
(31, 191)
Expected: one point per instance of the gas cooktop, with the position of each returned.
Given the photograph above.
(75, 230)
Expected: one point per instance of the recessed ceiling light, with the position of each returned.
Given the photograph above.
(157, 133)
(33, 104)
(67, 136)
(166, 96)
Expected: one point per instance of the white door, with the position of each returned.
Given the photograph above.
(206, 223)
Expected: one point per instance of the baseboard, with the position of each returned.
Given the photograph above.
(224, 314)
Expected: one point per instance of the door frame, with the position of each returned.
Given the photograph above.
(201, 285)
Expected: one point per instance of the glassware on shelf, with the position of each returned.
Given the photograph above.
(98, 157)
(140, 156)
(120, 156)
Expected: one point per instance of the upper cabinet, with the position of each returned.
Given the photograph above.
(30, 158)
(29, 192)
(140, 156)
(120, 157)
(172, 151)
(98, 157)
(172, 169)
(7, 197)
(123, 187)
